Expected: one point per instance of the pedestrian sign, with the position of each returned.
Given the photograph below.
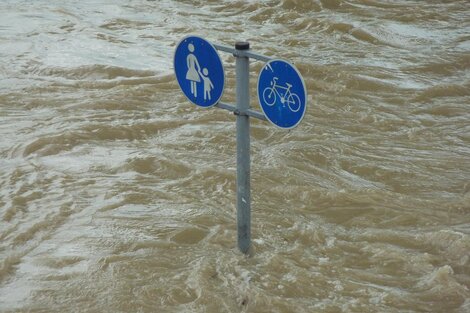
(199, 71)
(282, 94)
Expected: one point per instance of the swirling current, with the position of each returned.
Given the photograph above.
(118, 195)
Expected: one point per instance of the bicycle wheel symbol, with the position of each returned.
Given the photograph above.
(269, 96)
(293, 102)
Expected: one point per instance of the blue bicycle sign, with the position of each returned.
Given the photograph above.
(282, 94)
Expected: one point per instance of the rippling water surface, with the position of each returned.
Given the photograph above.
(118, 195)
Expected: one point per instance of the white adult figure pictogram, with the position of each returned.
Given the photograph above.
(193, 70)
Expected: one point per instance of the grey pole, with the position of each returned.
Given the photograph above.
(243, 149)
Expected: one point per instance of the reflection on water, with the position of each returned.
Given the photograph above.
(117, 194)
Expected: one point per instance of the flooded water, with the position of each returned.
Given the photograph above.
(118, 195)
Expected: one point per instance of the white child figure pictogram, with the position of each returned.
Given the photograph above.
(208, 86)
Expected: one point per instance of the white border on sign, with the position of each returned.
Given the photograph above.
(305, 91)
(223, 70)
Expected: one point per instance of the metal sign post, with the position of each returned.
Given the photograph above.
(242, 64)
(199, 72)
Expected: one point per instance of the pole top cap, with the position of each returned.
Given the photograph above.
(242, 45)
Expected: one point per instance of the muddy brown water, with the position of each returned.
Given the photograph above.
(118, 195)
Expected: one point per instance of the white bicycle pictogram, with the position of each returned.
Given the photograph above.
(270, 95)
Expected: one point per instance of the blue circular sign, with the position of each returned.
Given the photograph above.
(199, 71)
(282, 94)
